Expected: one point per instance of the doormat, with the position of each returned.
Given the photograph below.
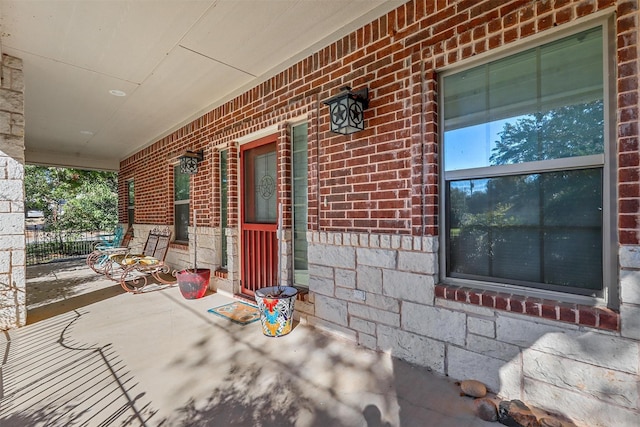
(238, 312)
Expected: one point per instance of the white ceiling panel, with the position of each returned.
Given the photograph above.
(122, 39)
(166, 92)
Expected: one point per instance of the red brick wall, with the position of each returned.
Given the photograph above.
(385, 179)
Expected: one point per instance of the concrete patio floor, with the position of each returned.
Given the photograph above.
(94, 355)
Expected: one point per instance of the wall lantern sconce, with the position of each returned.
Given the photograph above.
(189, 161)
(347, 110)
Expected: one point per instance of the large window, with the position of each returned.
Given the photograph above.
(525, 171)
(181, 204)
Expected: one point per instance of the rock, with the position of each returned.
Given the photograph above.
(473, 388)
(514, 413)
(485, 409)
(550, 422)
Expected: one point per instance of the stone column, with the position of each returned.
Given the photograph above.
(13, 308)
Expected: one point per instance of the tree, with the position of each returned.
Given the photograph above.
(72, 198)
(568, 131)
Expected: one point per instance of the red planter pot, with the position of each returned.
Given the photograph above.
(193, 284)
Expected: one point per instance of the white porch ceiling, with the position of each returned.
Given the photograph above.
(174, 59)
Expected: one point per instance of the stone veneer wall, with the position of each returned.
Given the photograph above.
(13, 311)
(380, 291)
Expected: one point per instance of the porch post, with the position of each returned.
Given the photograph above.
(12, 229)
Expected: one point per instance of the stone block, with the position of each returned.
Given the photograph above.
(629, 256)
(383, 303)
(17, 130)
(12, 62)
(332, 256)
(417, 262)
(13, 146)
(11, 190)
(369, 279)
(5, 122)
(11, 101)
(484, 327)
(17, 207)
(492, 348)
(417, 244)
(367, 341)
(15, 170)
(585, 410)
(332, 328)
(433, 322)
(406, 243)
(511, 378)
(408, 286)
(463, 364)
(18, 258)
(346, 240)
(384, 258)
(466, 308)
(321, 271)
(321, 285)
(605, 384)
(5, 81)
(19, 278)
(6, 284)
(413, 348)
(430, 244)
(337, 239)
(630, 321)
(331, 309)
(524, 331)
(12, 242)
(5, 261)
(345, 278)
(591, 347)
(371, 299)
(362, 325)
(630, 286)
(374, 314)
(305, 307)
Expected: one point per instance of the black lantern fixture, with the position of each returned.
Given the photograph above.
(346, 110)
(189, 161)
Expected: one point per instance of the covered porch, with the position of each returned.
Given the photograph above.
(93, 354)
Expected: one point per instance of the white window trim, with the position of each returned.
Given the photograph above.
(607, 161)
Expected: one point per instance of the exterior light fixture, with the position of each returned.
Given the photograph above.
(346, 110)
(189, 161)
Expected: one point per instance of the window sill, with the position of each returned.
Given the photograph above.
(583, 315)
(179, 245)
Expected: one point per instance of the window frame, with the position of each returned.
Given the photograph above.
(130, 202)
(223, 188)
(606, 160)
(187, 201)
(300, 277)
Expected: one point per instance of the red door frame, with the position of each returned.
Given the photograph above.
(258, 243)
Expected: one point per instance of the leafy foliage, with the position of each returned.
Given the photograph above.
(568, 131)
(72, 198)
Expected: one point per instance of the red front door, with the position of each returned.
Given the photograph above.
(259, 245)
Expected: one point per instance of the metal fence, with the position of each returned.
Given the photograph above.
(44, 246)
